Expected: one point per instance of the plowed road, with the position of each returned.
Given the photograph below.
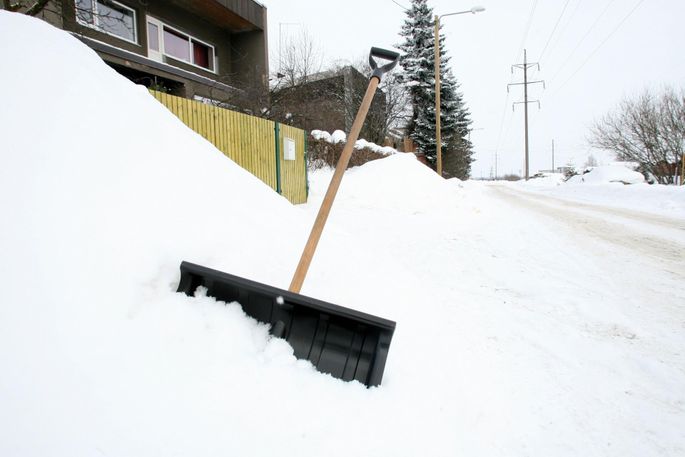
(657, 239)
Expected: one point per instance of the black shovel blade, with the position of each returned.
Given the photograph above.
(345, 343)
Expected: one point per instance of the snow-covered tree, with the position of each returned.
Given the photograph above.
(418, 61)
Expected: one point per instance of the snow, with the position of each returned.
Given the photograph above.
(340, 137)
(613, 173)
(604, 185)
(322, 135)
(523, 327)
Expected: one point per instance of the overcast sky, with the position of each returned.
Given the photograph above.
(592, 53)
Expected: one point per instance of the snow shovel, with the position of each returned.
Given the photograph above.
(345, 343)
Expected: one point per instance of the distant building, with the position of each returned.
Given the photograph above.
(192, 48)
(562, 170)
(329, 101)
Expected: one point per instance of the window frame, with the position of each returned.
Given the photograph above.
(96, 26)
(190, 39)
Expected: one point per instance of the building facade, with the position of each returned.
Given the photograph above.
(202, 49)
(330, 101)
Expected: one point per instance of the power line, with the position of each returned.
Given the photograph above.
(570, 21)
(630, 13)
(504, 115)
(563, 10)
(501, 124)
(582, 40)
(529, 21)
(400, 5)
(527, 29)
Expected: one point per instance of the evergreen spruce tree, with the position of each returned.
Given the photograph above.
(418, 61)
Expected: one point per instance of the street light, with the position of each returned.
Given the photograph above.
(474, 10)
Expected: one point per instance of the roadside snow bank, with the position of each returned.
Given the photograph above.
(511, 339)
(613, 173)
(605, 186)
(103, 193)
(545, 180)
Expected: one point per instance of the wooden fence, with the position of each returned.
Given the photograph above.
(273, 152)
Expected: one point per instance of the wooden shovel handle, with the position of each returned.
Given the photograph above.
(320, 222)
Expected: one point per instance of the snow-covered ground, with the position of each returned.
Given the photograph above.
(605, 185)
(527, 325)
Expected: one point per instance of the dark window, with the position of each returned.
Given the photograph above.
(108, 16)
(201, 55)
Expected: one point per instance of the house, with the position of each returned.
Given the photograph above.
(329, 101)
(202, 49)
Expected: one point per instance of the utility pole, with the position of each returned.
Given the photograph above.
(525, 66)
(496, 165)
(438, 136)
(553, 157)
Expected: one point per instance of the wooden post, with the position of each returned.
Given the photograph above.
(322, 216)
(438, 139)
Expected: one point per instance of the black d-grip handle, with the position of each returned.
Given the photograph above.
(392, 56)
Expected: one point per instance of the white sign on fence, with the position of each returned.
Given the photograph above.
(288, 148)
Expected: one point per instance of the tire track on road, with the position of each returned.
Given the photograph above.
(589, 219)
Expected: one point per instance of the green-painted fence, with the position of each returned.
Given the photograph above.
(273, 152)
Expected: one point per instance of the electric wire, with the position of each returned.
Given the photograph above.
(527, 29)
(627, 16)
(565, 26)
(582, 40)
(529, 22)
(549, 39)
(400, 5)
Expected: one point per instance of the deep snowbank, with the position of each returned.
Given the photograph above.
(618, 172)
(512, 338)
(103, 193)
(615, 185)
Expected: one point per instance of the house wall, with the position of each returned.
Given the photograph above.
(315, 105)
(331, 104)
(355, 89)
(240, 56)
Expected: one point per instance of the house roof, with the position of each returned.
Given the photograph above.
(236, 15)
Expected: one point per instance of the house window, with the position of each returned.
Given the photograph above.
(109, 17)
(176, 45)
(168, 41)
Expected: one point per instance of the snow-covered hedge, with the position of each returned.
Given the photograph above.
(325, 150)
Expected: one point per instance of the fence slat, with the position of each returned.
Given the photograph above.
(247, 140)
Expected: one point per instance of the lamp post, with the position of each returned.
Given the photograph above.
(474, 10)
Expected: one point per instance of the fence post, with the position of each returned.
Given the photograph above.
(306, 172)
(277, 139)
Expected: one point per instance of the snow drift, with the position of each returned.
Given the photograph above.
(104, 192)
(510, 341)
(618, 172)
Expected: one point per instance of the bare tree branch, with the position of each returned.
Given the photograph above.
(649, 130)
